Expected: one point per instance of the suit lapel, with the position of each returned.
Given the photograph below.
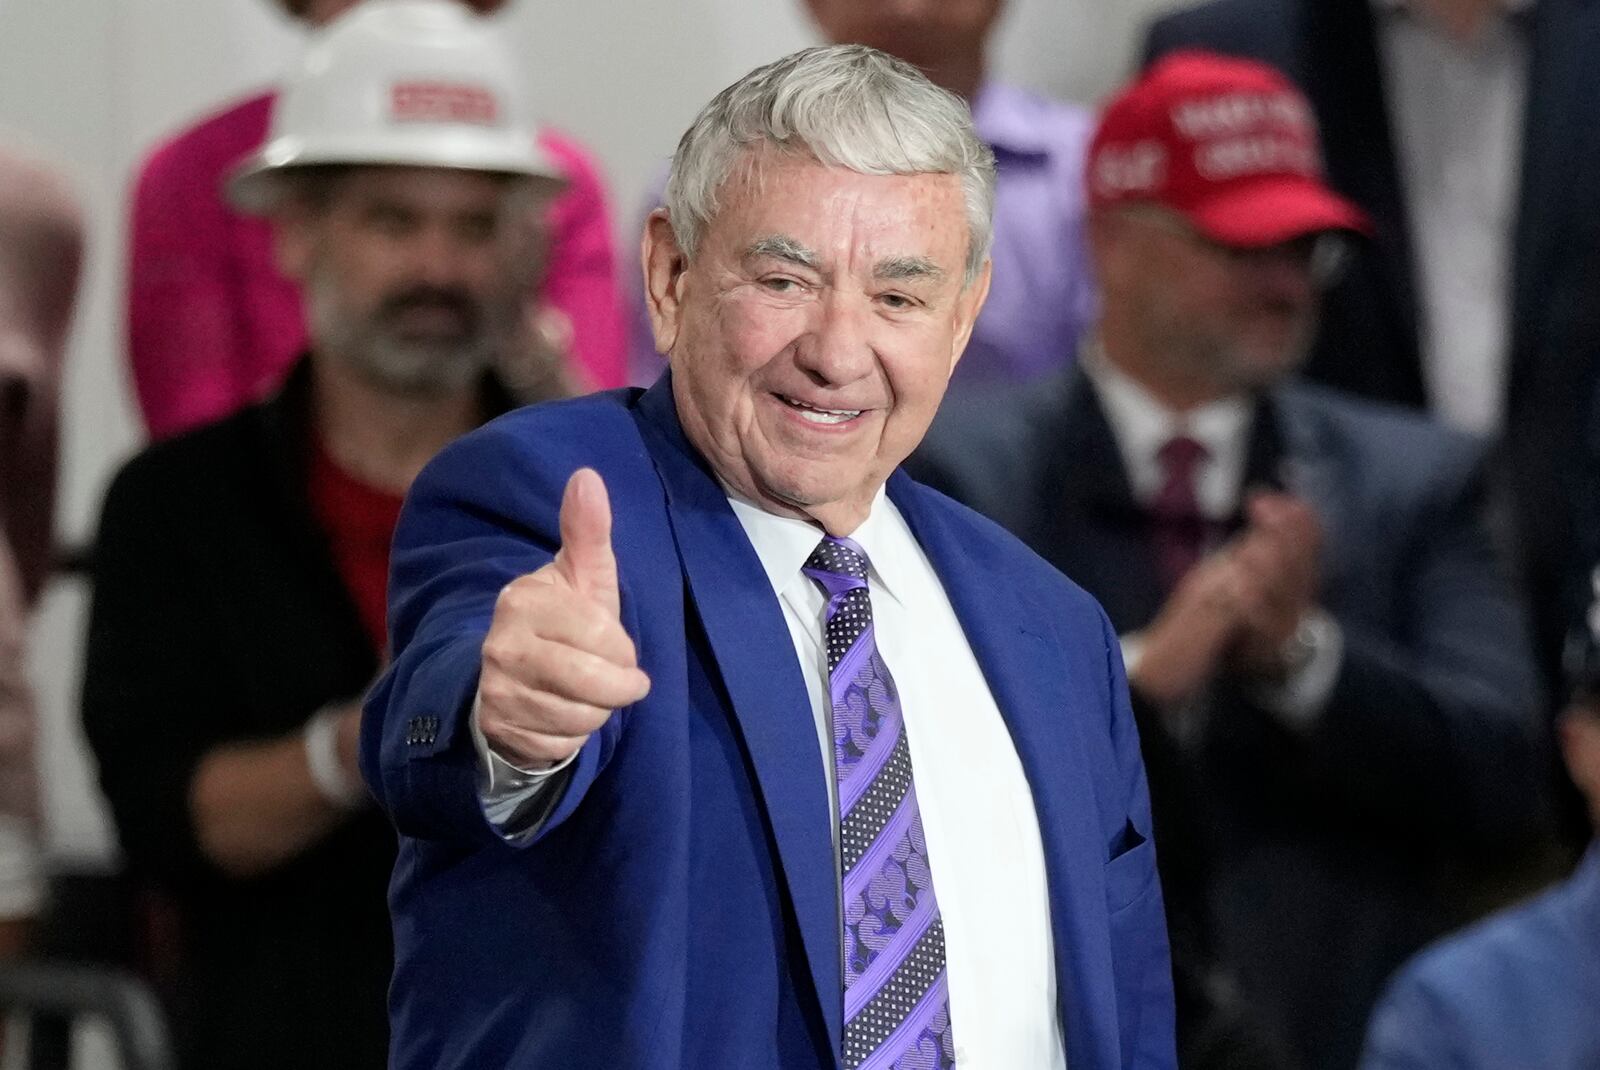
(1021, 664)
(1088, 524)
(755, 657)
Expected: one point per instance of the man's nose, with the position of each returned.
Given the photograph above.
(439, 258)
(838, 349)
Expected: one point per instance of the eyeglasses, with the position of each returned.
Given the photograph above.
(1324, 256)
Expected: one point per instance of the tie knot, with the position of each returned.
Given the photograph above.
(840, 558)
(1179, 456)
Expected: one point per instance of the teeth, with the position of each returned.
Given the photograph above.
(817, 417)
(821, 416)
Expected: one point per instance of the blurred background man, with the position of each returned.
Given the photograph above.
(1333, 679)
(240, 584)
(1043, 292)
(1464, 128)
(1521, 988)
(213, 324)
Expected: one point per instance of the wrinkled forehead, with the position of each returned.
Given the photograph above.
(773, 202)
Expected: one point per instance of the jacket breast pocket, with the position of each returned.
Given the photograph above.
(1139, 963)
(1132, 872)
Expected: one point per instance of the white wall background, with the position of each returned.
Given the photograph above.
(93, 82)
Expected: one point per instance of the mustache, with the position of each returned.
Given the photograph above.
(431, 297)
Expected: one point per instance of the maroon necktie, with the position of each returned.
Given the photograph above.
(1178, 526)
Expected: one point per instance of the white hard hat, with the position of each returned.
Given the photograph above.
(422, 83)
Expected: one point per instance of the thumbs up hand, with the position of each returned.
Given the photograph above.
(557, 661)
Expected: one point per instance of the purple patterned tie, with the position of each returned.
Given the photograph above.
(896, 1007)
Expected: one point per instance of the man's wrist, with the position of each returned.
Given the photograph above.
(1312, 659)
(328, 774)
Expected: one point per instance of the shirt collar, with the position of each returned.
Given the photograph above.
(1143, 424)
(1003, 122)
(783, 542)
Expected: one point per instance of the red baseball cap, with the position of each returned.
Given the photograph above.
(1229, 144)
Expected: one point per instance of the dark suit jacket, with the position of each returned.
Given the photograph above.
(1369, 341)
(220, 617)
(1313, 861)
(678, 908)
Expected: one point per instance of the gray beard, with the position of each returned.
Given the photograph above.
(419, 369)
(403, 367)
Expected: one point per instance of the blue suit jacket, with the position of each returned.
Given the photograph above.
(1519, 989)
(679, 906)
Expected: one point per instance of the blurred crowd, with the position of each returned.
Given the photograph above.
(1289, 359)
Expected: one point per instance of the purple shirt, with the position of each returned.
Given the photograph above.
(1042, 297)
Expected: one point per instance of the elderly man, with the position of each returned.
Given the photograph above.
(1043, 293)
(214, 324)
(1521, 988)
(1326, 658)
(650, 741)
(239, 588)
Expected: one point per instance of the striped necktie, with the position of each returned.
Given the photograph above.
(896, 1005)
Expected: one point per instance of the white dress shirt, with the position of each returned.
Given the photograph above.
(1456, 109)
(978, 817)
(977, 810)
(1141, 425)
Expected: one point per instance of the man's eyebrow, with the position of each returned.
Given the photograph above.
(907, 268)
(783, 247)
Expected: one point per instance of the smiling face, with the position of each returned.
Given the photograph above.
(813, 334)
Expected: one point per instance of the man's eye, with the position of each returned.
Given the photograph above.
(389, 221)
(779, 284)
(897, 301)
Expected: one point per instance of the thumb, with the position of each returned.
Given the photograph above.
(585, 559)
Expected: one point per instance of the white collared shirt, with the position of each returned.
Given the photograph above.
(1456, 109)
(977, 811)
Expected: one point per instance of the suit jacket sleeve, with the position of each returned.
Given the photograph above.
(1432, 720)
(1413, 1028)
(485, 512)
(149, 709)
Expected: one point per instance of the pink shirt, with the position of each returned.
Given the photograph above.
(213, 326)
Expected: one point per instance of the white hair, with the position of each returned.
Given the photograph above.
(846, 106)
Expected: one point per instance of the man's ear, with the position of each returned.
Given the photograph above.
(968, 304)
(664, 264)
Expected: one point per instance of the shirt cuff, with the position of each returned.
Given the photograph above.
(514, 799)
(1132, 652)
(1297, 701)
